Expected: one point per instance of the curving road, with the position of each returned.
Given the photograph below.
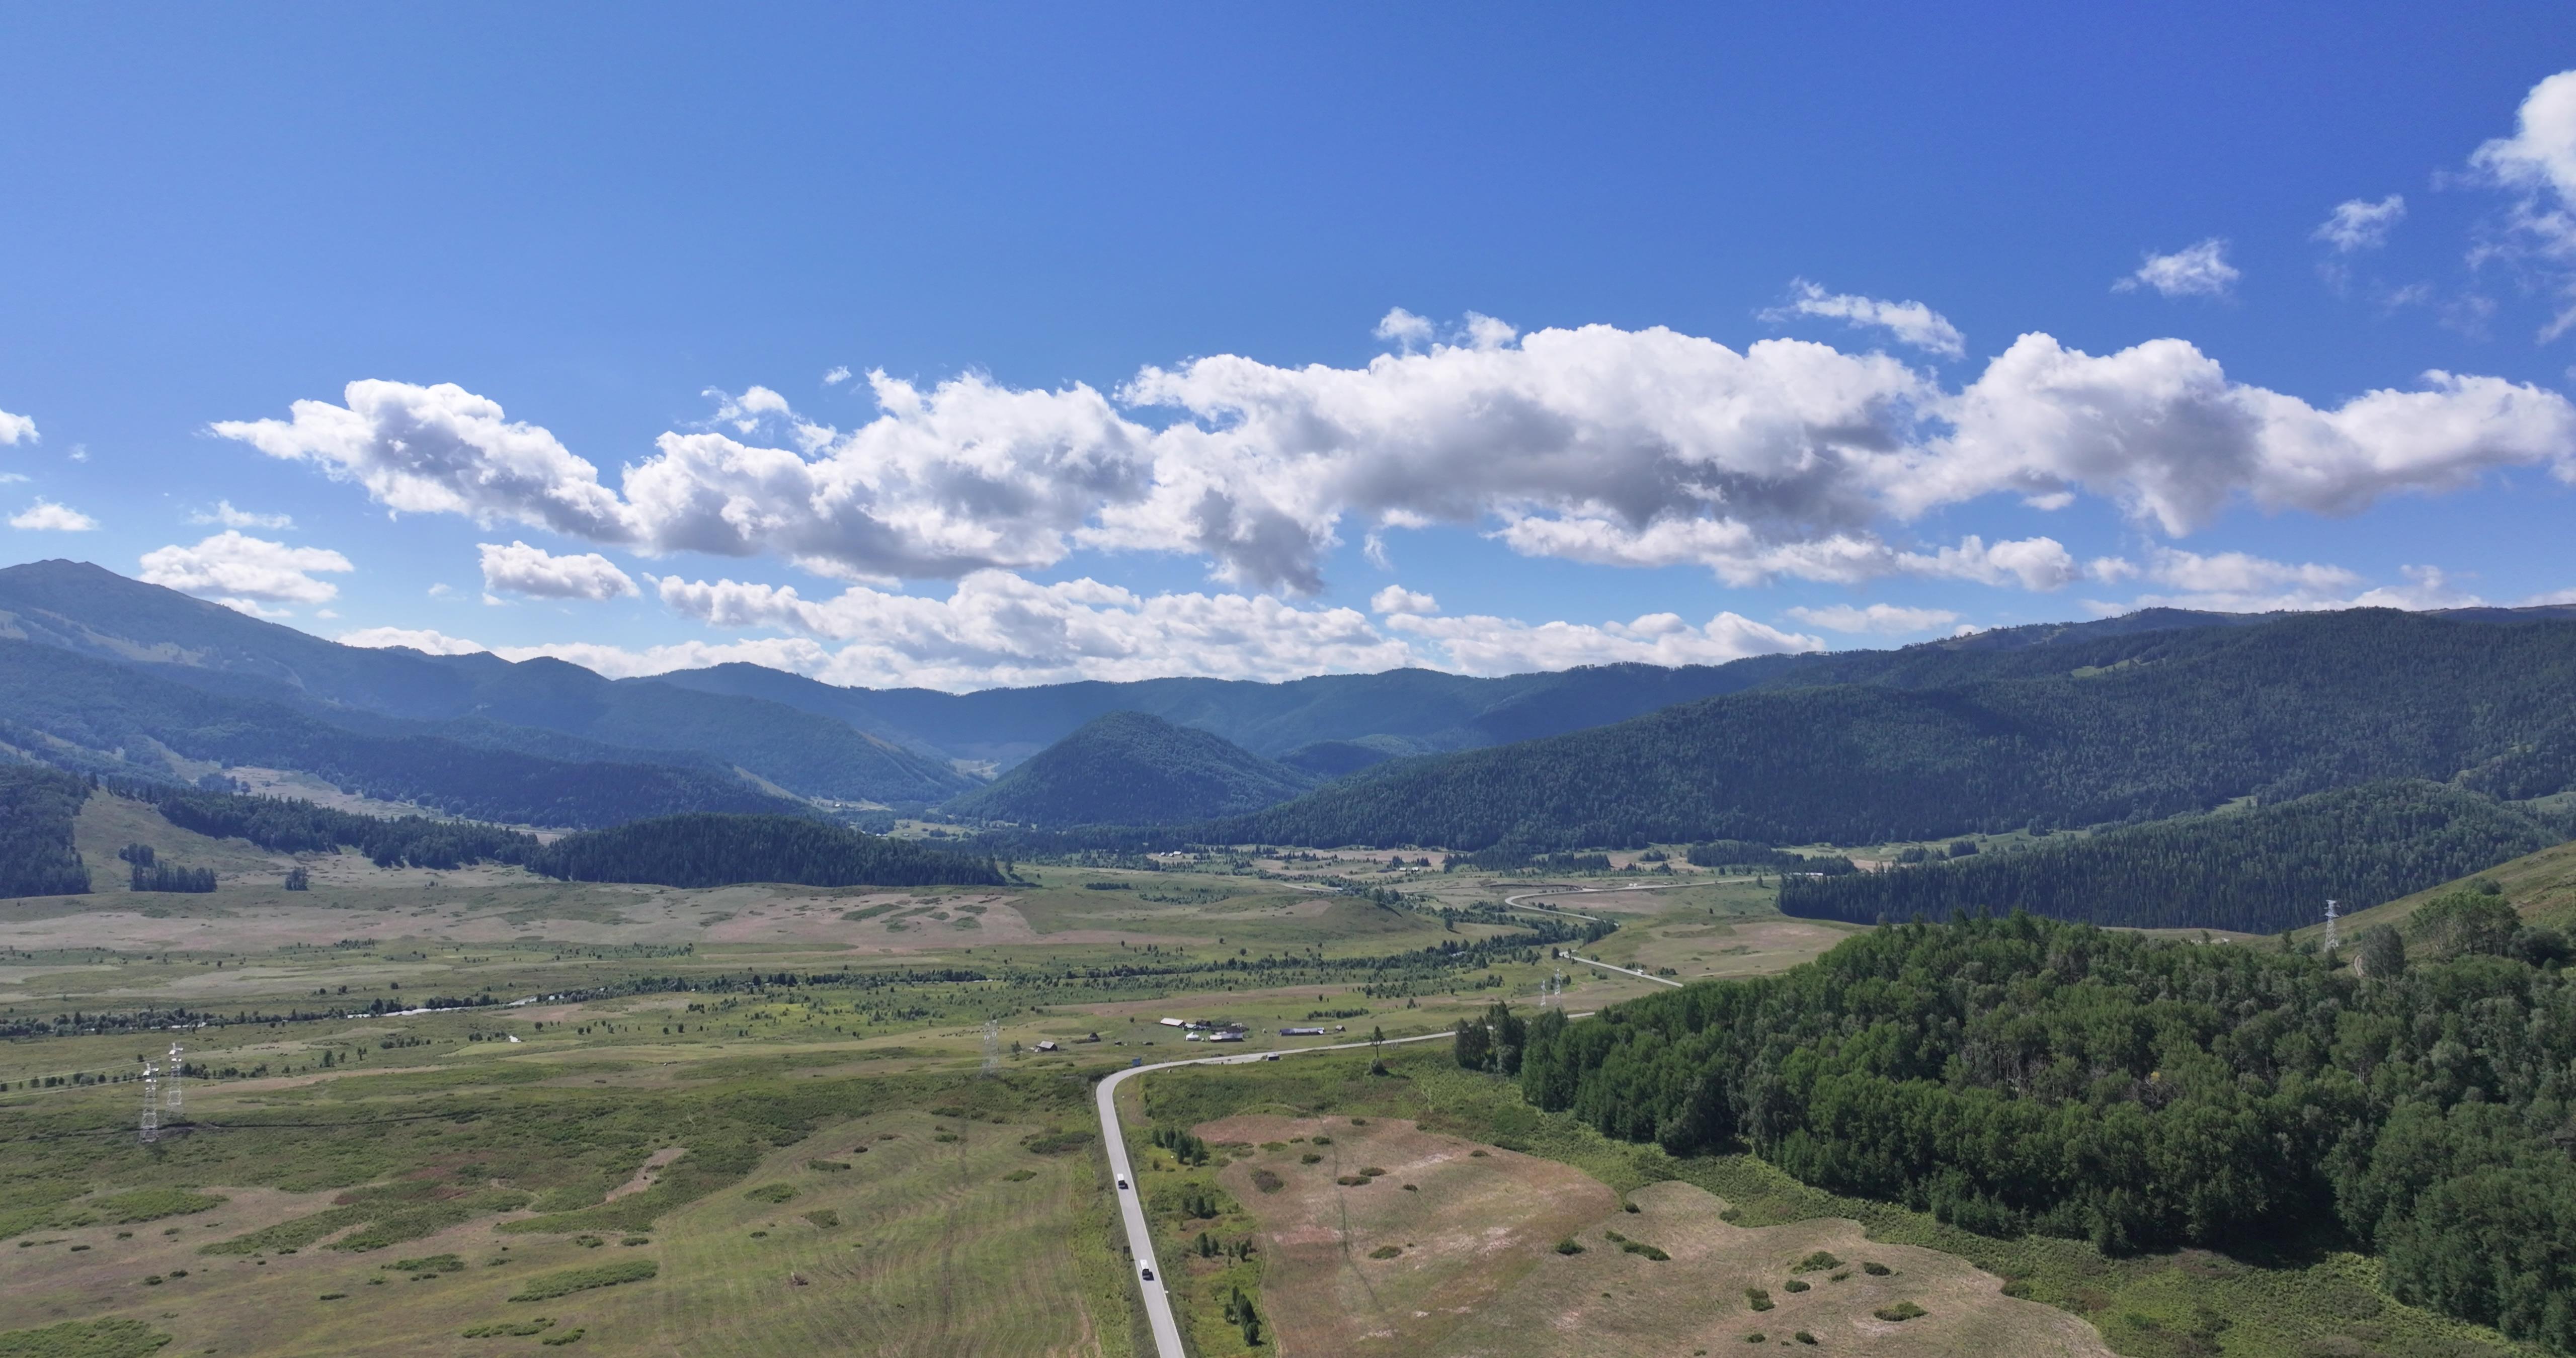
(1131, 1206)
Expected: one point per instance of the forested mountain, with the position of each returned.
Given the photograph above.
(122, 717)
(2080, 732)
(711, 850)
(37, 857)
(2020, 1074)
(528, 707)
(2260, 870)
(1129, 768)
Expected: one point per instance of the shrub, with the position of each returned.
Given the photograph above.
(84, 1339)
(1352, 1181)
(556, 1341)
(771, 1193)
(1310, 1158)
(152, 1204)
(1900, 1312)
(1820, 1260)
(1019, 1176)
(824, 1218)
(827, 1166)
(549, 1285)
(1373, 1172)
(1758, 1299)
(1644, 1250)
(1568, 1246)
(1794, 1285)
(1386, 1251)
(1875, 1270)
(1056, 1142)
(1267, 1182)
(1803, 1337)
(519, 1330)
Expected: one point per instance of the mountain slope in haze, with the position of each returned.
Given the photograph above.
(1129, 768)
(93, 612)
(120, 719)
(2118, 727)
(1408, 712)
(1404, 711)
(2259, 870)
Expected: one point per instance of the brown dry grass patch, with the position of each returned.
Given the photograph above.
(1479, 1276)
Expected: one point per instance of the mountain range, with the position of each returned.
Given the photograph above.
(2140, 716)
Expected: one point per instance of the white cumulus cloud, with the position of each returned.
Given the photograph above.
(443, 449)
(46, 516)
(1876, 619)
(521, 569)
(1398, 599)
(16, 428)
(1478, 644)
(2538, 165)
(2194, 271)
(235, 569)
(1909, 323)
(2359, 224)
(1646, 447)
(224, 513)
(417, 638)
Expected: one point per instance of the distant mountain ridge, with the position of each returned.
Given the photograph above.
(479, 699)
(1931, 741)
(476, 734)
(1131, 768)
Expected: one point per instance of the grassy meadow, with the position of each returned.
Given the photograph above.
(476, 1112)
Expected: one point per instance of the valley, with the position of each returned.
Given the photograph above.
(522, 1008)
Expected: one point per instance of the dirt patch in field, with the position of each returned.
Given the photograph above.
(1478, 1274)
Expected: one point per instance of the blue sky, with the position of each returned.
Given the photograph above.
(1185, 301)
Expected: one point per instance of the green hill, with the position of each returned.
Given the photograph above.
(1128, 768)
(2022, 1075)
(2260, 870)
(712, 850)
(114, 719)
(2103, 728)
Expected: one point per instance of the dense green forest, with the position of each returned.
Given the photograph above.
(704, 850)
(2024, 1075)
(107, 707)
(2261, 870)
(2109, 729)
(292, 825)
(1128, 768)
(37, 806)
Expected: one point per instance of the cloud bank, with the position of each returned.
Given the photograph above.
(1786, 458)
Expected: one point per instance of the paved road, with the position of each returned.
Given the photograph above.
(1626, 971)
(1515, 902)
(1131, 1207)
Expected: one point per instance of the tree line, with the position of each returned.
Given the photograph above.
(703, 850)
(2019, 1074)
(2260, 870)
(37, 855)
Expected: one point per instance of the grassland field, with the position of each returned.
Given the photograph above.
(823, 1120)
